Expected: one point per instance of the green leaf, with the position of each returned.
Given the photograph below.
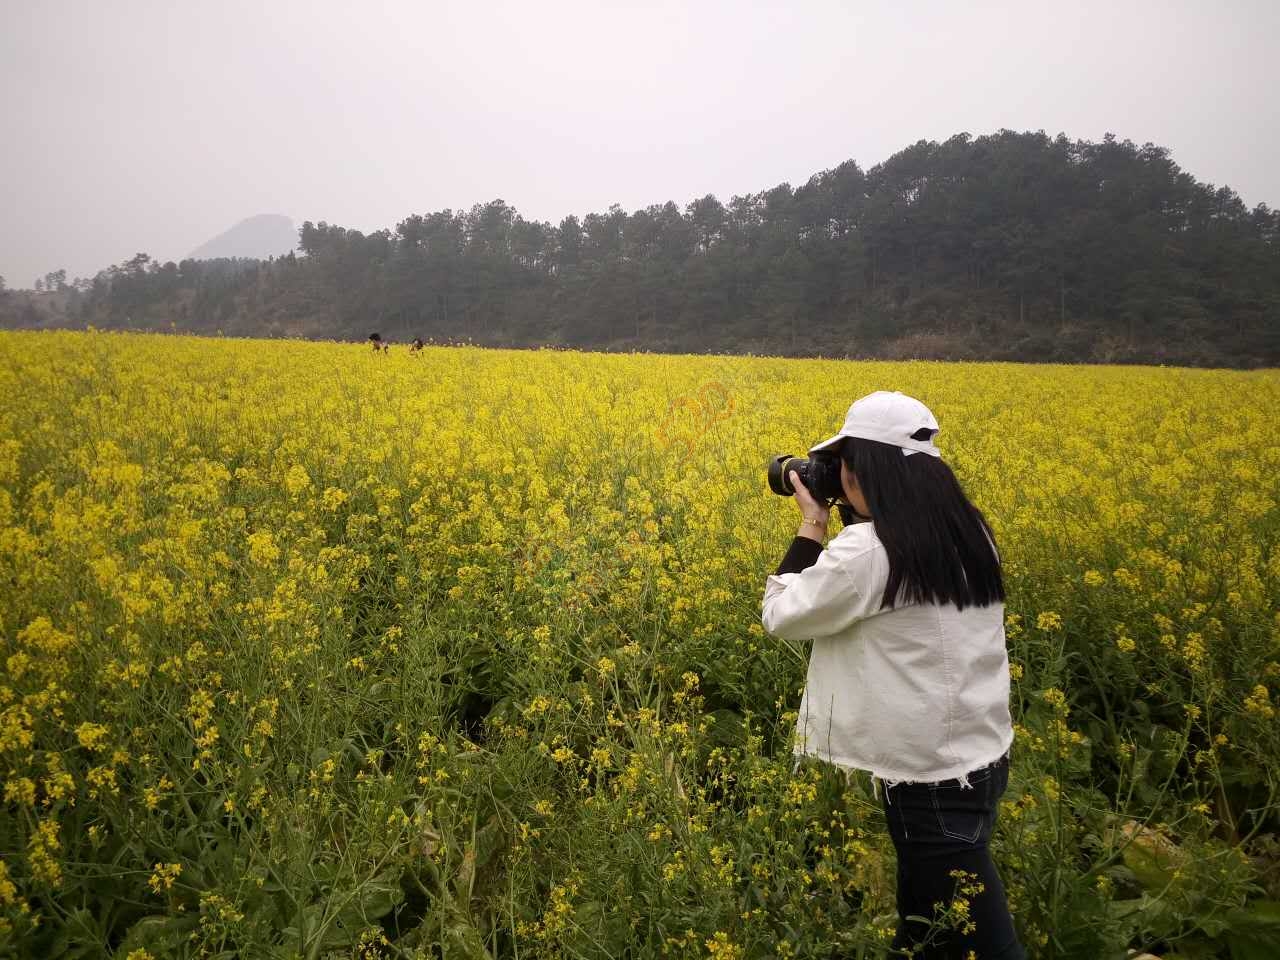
(462, 941)
(1151, 856)
(79, 936)
(1254, 931)
(376, 899)
(1139, 913)
(319, 755)
(313, 922)
(158, 934)
(727, 728)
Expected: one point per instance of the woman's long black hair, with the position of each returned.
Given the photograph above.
(937, 541)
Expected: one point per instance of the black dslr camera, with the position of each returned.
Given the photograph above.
(820, 474)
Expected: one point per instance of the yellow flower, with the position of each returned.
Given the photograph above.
(539, 704)
(1126, 579)
(163, 876)
(720, 946)
(262, 548)
(18, 664)
(91, 735)
(1259, 703)
(296, 479)
(20, 790)
(40, 635)
(1194, 651)
(563, 755)
(1056, 698)
(41, 848)
(1049, 620)
(100, 779)
(8, 889)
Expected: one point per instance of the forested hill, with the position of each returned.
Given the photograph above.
(1010, 246)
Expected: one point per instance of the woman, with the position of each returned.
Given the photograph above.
(909, 676)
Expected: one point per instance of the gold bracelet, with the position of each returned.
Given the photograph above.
(816, 523)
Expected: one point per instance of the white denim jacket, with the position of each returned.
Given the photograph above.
(919, 693)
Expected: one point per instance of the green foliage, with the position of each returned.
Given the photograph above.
(1008, 246)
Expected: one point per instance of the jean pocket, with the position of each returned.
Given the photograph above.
(964, 815)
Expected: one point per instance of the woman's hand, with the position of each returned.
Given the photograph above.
(810, 509)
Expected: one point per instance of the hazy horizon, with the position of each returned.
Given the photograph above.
(140, 127)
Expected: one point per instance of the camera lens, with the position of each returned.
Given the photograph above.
(819, 473)
(779, 468)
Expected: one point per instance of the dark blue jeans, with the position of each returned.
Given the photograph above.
(937, 828)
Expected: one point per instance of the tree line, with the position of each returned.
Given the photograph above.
(1012, 246)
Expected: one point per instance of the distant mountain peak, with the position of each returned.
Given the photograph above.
(261, 236)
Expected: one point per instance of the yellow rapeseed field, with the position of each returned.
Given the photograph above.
(313, 652)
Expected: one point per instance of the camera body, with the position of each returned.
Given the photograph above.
(820, 474)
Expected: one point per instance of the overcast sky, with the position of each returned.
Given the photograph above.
(132, 126)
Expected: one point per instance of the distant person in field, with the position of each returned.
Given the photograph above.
(376, 340)
(908, 675)
(416, 345)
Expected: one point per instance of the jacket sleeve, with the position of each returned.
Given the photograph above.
(802, 553)
(815, 602)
